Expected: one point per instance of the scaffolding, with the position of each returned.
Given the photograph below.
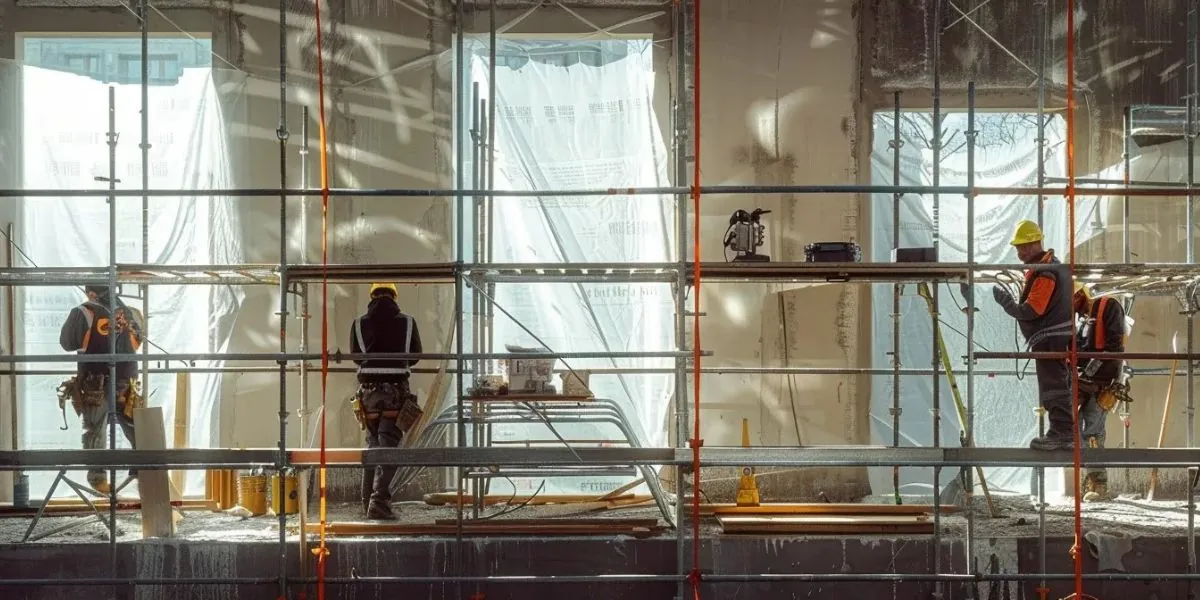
(475, 274)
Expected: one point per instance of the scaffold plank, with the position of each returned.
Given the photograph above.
(710, 457)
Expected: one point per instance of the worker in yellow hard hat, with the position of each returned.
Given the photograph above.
(1043, 313)
(1103, 330)
(384, 403)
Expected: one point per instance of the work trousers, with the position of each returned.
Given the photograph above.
(1054, 394)
(95, 424)
(381, 433)
(1092, 430)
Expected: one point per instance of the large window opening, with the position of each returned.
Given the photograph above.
(579, 114)
(66, 85)
(1006, 156)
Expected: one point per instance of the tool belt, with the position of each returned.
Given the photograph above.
(1111, 394)
(92, 390)
(402, 406)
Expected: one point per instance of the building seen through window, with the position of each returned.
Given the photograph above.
(118, 60)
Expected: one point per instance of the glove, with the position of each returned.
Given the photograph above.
(1003, 298)
(967, 292)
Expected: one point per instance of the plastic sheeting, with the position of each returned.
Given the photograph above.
(65, 125)
(1006, 155)
(573, 126)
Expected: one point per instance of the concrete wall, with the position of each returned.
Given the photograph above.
(790, 119)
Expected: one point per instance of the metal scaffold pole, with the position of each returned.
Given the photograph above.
(681, 127)
(144, 146)
(1193, 98)
(461, 71)
(111, 384)
(897, 291)
(936, 143)
(1043, 51)
(969, 434)
(282, 134)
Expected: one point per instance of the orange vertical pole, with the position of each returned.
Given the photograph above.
(1073, 358)
(322, 551)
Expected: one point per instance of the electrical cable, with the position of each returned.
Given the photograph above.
(514, 508)
(322, 550)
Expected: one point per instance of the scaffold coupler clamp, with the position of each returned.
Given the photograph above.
(695, 444)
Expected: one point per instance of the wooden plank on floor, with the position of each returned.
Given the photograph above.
(827, 524)
(7, 511)
(497, 528)
(822, 508)
(183, 390)
(580, 521)
(154, 487)
(444, 498)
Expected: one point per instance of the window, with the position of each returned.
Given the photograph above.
(1006, 156)
(65, 122)
(577, 114)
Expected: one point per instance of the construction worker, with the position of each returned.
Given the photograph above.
(1043, 313)
(384, 405)
(86, 331)
(1103, 330)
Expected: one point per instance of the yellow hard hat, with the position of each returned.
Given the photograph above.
(379, 287)
(1082, 289)
(1027, 232)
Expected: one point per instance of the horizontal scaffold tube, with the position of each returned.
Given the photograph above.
(333, 356)
(948, 190)
(882, 456)
(1105, 355)
(630, 578)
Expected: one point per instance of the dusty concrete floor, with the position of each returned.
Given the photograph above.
(1018, 518)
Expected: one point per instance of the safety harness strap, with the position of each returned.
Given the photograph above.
(362, 345)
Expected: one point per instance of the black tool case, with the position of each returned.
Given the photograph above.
(821, 252)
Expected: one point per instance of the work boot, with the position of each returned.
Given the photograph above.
(1053, 441)
(380, 511)
(1097, 489)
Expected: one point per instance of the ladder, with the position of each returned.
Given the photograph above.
(924, 292)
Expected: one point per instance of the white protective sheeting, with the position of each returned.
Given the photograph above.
(585, 127)
(1006, 155)
(65, 124)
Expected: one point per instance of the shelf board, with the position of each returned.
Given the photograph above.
(401, 273)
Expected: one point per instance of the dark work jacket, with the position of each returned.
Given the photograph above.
(1052, 331)
(1104, 333)
(384, 329)
(87, 331)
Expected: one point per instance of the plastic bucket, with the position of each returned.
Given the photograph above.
(253, 494)
(291, 500)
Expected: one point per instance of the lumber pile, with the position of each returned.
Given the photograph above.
(824, 519)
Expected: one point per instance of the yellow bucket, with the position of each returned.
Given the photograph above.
(291, 500)
(253, 495)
